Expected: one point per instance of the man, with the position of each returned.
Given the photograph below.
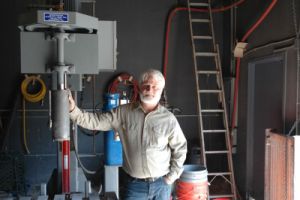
(154, 146)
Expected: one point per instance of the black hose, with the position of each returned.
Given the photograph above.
(79, 161)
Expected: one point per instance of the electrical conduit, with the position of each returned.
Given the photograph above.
(170, 17)
(238, 61)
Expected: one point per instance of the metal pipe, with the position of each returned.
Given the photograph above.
(66, 166)
(87, 189)
(297, 44)
(60, 115)
(43, 189)
(60, 37)
(50, 110)
(73, 5)
(74, 126)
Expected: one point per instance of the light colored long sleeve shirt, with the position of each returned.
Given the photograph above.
(153, 144)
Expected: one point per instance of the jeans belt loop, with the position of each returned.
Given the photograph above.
(150, 179)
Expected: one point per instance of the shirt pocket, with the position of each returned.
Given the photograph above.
(157, 138)
(130, 129)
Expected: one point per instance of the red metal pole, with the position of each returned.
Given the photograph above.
(66, 166)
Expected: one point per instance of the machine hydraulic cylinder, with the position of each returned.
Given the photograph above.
(60, 115)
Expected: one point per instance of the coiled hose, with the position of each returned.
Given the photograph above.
(36, 97)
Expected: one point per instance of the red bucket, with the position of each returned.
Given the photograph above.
(193, 184)
(191, 190)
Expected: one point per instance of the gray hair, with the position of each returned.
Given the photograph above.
(156, 74)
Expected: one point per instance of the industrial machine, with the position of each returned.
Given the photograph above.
(65, 45)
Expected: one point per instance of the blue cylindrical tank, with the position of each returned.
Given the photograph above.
(112, 143)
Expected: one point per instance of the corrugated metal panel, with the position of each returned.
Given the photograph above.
(279, 162)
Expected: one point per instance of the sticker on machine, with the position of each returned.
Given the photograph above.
(56, 17)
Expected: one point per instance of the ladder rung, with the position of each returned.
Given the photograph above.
(216, 152)
(220, 196)
(208, 72)
(201, 20)
(214, 131)
(210, 91)
(205, 54)
(199, 4)
(212, 110)
(203, 37)
(219, 173)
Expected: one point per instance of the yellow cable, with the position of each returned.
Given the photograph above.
(24, 128)
(33, 97)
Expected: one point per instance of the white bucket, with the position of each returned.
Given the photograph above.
(194, 173)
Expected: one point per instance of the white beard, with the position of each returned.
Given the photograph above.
(150, 100)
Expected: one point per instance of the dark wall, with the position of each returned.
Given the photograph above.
(140, 35)
(272, 56)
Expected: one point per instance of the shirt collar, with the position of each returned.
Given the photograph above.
(138, 105)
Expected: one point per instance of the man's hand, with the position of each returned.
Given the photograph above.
(72, 103)
(167, 180)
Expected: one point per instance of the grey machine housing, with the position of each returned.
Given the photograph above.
(91, 46)
(65, 45)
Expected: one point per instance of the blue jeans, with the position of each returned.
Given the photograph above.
(142, 190)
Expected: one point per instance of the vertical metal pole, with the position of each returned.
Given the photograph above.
(59, 168)
(74, 126)
(87, 189)
(74, 171)
(298, 85)
(297, 44)
(66, 166)
(60, 48)
(61, 120)
(73, 5)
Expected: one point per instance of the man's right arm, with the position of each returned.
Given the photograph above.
(93, 121)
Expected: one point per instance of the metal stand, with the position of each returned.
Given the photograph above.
(111, 179)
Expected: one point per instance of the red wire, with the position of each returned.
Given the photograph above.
(227, 7)
(238, 60)
(166, 53)
(259, 21)
(170, 17)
